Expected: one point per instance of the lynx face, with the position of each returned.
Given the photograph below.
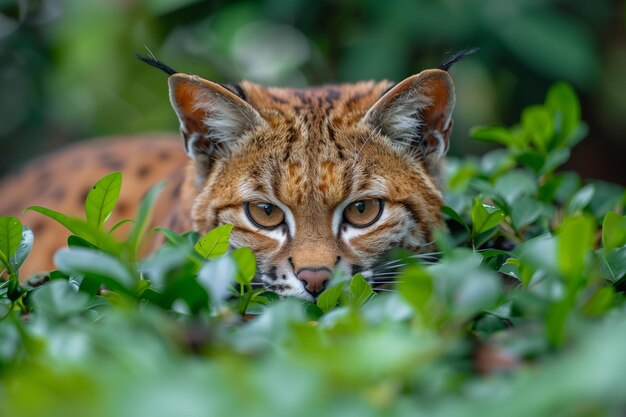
(320, 179)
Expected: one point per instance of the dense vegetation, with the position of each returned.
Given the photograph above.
(520, 312)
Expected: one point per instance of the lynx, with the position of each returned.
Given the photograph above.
(313, 180)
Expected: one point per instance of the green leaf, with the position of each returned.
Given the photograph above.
(26, 245)
(120, 224)
(533, 160)
(613, 230)
(143, 217)
(172, 237)
(216, 277)
(555, 159)
(613, 264)
(246, 265)
(10, 238)
(484, 217)
(360, 291)
(102, 199)
(215, 243)
(82, 229)
(4, 261)
(455, 216)
(556, 321)
(496, 134)
(581, 199)
(565, 107)
(83, 261)
(601, 302)
(416, 287)
(57, 299)
(525, 211)
(537, 123)
(330, 297)
(515, 184)
(76, 241)
(574, 244)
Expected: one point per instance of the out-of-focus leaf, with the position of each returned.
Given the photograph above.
(515, 184)
(416, 287)
(143, 217)
(613, 264)
(555, 159)
(495, 134)
(533, 160)
(581, 199)
(217, 277)
(102, 198)
(215, 243)
(170, 235)
(574, 240)
(58, 299)
(606, 197)
(601, 302)
(613, 230)
(537, 123)
(525, 211)
(564, 104)
(556, 321)
(85, 261)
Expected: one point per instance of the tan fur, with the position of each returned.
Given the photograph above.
(61, 181)
(310, 152)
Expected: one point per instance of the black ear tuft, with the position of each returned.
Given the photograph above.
(151, 60)
(457, 57)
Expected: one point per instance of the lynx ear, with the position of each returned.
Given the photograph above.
(212, 118)
(417, 114)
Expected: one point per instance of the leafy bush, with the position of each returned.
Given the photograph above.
(522, 314)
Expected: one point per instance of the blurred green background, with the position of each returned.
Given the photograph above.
(67, 70)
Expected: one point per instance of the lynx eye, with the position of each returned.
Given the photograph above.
(363, 213)
(263, 214)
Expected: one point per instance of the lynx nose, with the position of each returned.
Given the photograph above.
(314, 279)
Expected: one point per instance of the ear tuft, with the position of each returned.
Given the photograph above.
(445, 65)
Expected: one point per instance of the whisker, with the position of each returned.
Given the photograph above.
(428, 256)
(398, 265)
(384, 290)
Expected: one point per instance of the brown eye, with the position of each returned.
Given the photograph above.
(264, 215)
(363, 213)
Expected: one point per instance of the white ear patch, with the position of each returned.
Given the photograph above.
(417, 114)
(212, 118)
(401, 121)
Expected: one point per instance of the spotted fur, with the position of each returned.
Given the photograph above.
(309, 152)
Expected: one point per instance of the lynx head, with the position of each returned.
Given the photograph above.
(318, 179)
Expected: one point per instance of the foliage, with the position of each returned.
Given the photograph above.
(523, 313)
